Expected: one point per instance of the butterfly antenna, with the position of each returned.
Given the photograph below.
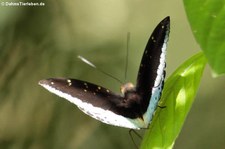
(93, 66)
(127, 56)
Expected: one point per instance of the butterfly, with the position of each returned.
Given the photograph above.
(134, 108)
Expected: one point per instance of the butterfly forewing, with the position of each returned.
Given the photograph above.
(151, 73)
(96, 101)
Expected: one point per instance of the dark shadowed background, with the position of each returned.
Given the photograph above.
(43, 41)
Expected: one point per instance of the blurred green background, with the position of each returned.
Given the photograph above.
(42, 42)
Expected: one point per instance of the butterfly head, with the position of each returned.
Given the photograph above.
(127, 87)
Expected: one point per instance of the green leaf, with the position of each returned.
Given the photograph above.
(207, 19)
(178, 95)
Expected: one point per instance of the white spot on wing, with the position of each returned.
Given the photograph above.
(69, 82)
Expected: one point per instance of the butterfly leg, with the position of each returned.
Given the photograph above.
(162, 107)
(139, 136)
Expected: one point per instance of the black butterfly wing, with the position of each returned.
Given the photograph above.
(151, 72)
(96, 101)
